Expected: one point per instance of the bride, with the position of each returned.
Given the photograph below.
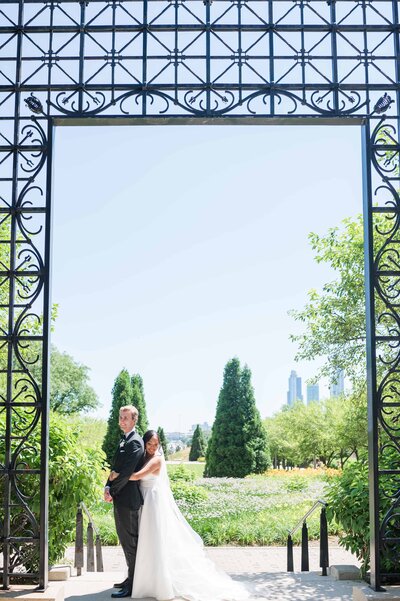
(171, 561)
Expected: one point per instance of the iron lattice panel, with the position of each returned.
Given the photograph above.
(166, 61)
(167, 57)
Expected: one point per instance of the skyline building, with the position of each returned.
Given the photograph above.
(205, 426)
(312, 393)
(294, 393)
(337, 388)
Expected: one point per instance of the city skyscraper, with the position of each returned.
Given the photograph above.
(294, 393)
(337, 386)
(312, 393)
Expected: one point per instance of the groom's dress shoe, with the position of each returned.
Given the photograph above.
(124, 592)
(121, 584)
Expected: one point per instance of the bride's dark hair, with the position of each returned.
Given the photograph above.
(149, 434)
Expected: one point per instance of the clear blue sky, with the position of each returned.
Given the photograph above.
(179, 247)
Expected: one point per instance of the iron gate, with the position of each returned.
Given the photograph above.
(184, 61)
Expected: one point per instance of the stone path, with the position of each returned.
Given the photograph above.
(262, 568)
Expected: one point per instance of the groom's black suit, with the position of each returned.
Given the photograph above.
(127, 497)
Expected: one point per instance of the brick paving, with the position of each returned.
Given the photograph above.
(261, 568)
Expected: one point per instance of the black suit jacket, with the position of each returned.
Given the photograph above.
(128, 458)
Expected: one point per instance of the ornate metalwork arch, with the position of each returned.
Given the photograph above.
(192, 61)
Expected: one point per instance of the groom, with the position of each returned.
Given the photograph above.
(125, 494)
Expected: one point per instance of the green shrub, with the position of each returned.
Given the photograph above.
(296, 484)
(106, 526)
(75, 475)
(347, 498)
(348, 504)
(183, 491)
(180, 473)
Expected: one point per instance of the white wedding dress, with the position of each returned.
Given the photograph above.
(171, 561)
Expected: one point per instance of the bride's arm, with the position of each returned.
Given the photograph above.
(152, 466)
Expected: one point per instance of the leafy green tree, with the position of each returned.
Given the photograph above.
(329, 431)
(163, 441)
(139, 402)
(198, 446)
(283, 448)
(347, 422)
(235, 448)
(121, 396)
(69, 388)
(334, 318)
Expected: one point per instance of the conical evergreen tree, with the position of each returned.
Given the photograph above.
(225, 450)
(198, 448)
(163, 441)
(138, 401)
(238, 443)
(255, 435)
(121, 395)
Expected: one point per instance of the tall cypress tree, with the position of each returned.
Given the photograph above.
(238, 444)
(198, 447)
(137, 400)
(225, 448)
(121, 395)
(255, 435)
(163, 441)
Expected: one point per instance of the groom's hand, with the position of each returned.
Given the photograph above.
(107, 496)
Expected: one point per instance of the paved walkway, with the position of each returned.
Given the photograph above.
(262, 568)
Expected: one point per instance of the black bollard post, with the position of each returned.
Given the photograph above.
(323, 543)
(99, 555)
(290, 566)
(304, 549)
(90, 548)
(79, 542)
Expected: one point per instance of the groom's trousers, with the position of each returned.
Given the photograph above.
(127, 526)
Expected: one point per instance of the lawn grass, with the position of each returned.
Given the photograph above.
(195, 469)
(257, 510)
(182, 455)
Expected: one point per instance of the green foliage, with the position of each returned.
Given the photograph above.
(183, 491)
(198, 447)
(74, 476)
(103, 517)
(69, 388)
(138, 401)
(89, 430)
(126, 391)
(238, 443)
(348, 505)
(295, 484)
(334, 318)
(255, 434)
(180, 473)
(256, 510)
(268, 527)
(121, 396)
(329, 431)
(348, 500)
(195, 469)
(163, 441)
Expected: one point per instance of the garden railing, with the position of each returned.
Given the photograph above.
(92, 565)
(323, 541)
